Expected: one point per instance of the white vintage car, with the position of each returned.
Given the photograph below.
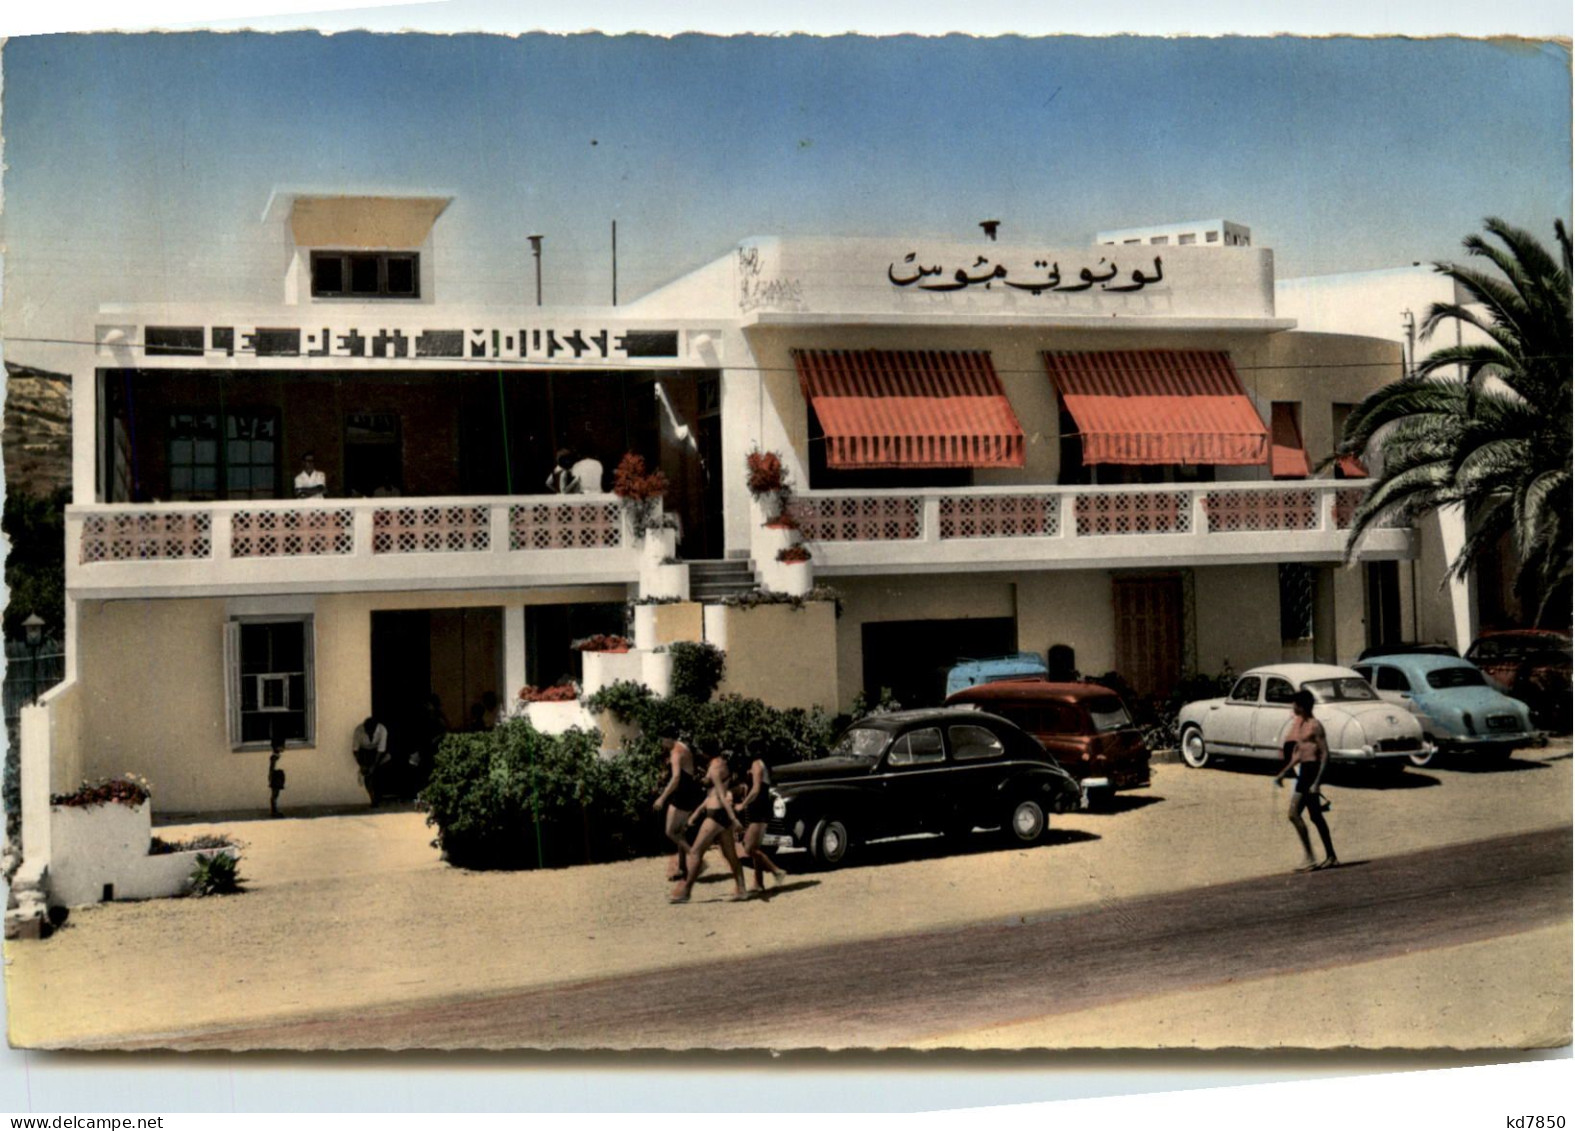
(1250, 722)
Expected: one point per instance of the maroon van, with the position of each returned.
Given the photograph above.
(1085, 726)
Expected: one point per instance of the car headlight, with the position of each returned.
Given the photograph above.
(778, 807)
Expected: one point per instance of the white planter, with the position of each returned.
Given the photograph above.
(658, 672)
(765, 508)
(660, 542)
(645, 626)
(796, 578)
(603, 668)
(771, 540)
(614, 733)
(716, 626)
(102, 850)
(664, 580)
(555, 718)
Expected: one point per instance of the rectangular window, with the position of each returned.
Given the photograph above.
(1160, 239)
(366, 274)
(243, 463)
(1187, 238)
(1298, 592)
(268, 662)
(1211, 237)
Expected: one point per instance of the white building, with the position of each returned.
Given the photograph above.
(993, 447)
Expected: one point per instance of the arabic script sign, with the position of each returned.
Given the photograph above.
(1044, 277)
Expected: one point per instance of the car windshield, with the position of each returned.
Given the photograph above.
(1345, 689)
(860, 742)
(1513, 647)
(1456, 677)
(1108, 715)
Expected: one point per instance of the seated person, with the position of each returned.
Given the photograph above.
(310, 483)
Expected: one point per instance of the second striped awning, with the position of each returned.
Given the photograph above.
(1159, 406)
(910, 408)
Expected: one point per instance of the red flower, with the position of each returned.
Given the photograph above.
(603, 643)
(793, 554)
(558, 693)
(630, 480)
(765, 473)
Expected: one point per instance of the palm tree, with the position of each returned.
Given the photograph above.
(1486, 426)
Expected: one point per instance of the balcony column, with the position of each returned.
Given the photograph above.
(361, 532)
(513, 652)
(930, 529)
(1068, 523)
(498, 529)
(1200, 512)
(221, 536)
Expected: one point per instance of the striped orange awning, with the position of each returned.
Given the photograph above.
(1159, 406)
(1287, 455)
(910, 408)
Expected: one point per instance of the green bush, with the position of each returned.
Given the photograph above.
(513, 797)
(623, 699)
(697, 670)
(218, 874)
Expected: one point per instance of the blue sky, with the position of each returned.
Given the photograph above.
(139, 165)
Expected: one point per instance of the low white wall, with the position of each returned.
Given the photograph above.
(103, 849)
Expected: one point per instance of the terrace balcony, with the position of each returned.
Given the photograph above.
(998, 528)
(340, 545)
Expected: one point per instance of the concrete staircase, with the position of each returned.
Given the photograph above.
(711, 581)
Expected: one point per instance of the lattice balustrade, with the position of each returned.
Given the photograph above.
(565, 526)
(1346, 500)
(291, 533)
(1001, 516)
(132, 536)
(1234, 511)
(857, 519)
(1134, 512)
(430, 529)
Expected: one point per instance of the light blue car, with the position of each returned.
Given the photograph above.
(1456, 705)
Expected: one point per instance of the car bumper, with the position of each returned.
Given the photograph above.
(1369, 756)
(1465, 743)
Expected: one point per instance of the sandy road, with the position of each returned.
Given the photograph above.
(904, 989)
(357, 913)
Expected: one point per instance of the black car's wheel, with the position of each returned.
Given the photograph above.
(828, 843)
(1026, 824)
(1193, 752)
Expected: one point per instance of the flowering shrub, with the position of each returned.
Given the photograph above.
(558, 693)
(641, 491)
(128, 790)
(783, 521)
(793, 554)
(766, 476)
(601, 642)
(160, 847)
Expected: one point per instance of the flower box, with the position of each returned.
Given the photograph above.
(657, 672)
(772, 540)
(657, 580)
(101, 852)
(555, 718)
(603, 668)
(793, 579)
(660, 542)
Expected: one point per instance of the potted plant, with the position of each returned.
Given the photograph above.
(664, 579)
(794, 575)
(552, 710)
(640, 492)
(606, 660)
(768, 484)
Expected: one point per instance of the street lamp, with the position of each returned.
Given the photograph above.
(33, 629)
(535, 249)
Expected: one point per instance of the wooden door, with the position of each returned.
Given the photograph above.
(1149, 632)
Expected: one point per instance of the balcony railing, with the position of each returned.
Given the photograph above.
(268, 546)
(856, 531)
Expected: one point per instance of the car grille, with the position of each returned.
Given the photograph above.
(1391, 744)
(1503, 722)
(779, 826)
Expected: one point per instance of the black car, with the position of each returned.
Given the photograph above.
(937, 771)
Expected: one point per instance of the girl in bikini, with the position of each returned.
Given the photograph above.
(1308, 752)
(718, 822)
(756, 809)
